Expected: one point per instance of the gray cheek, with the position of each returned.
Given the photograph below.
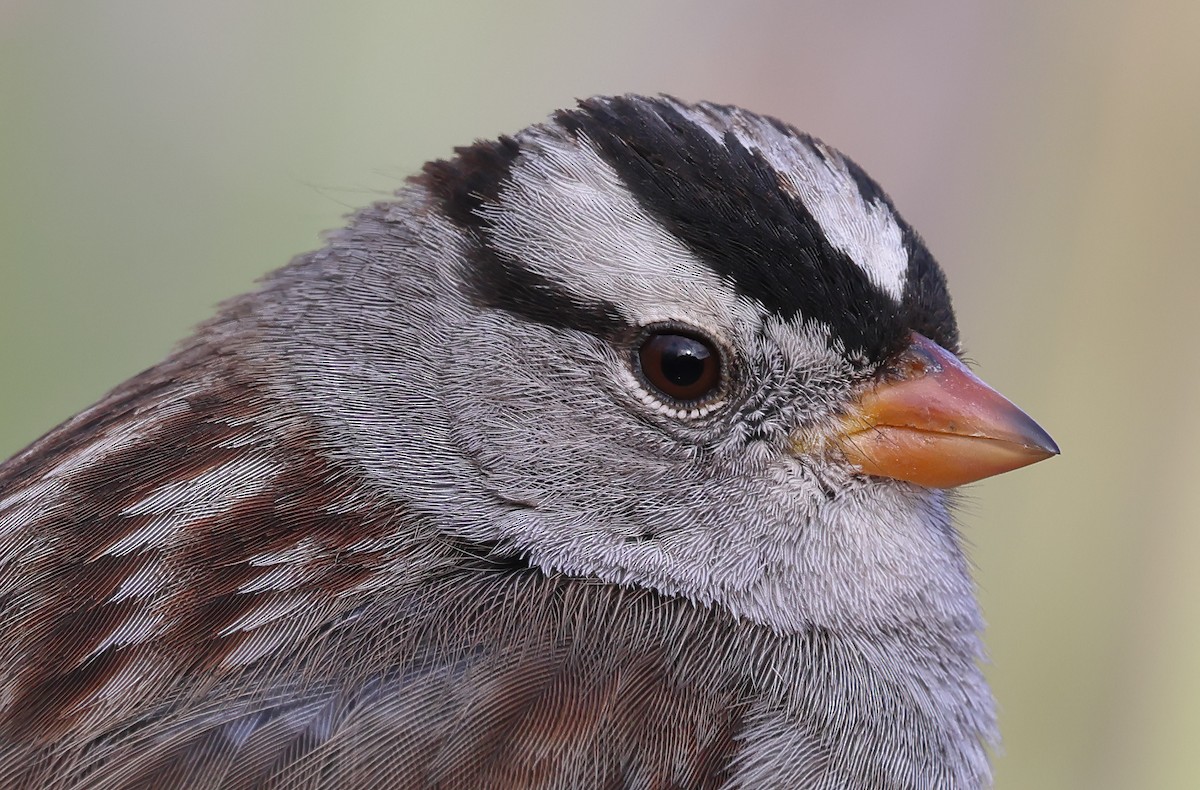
(554, 425)
(533, 408)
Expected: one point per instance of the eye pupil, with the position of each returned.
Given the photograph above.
(685, 369)
(683, 360)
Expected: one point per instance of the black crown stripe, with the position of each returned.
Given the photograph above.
(466, 183)
(728, 205)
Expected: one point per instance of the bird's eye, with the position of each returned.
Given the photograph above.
(684, 368)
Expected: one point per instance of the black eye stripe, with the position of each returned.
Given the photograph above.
(463, 185)
(725, 203)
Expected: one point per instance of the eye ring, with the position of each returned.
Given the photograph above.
(681, 367)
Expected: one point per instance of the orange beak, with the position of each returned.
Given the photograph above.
(934, 423)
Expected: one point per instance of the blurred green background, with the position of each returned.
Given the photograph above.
(156, 157)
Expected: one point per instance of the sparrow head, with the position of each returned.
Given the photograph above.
(370, 516)
(682, 347)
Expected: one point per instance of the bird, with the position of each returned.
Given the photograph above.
(619, 452)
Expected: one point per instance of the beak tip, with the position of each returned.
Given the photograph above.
(1038, 440)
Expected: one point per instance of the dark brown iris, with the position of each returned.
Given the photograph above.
(682, 367)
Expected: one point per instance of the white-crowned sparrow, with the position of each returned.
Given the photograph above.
(611, 454)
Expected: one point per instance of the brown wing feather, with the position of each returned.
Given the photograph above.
(290, 630)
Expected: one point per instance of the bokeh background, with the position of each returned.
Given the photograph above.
(156, 157)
